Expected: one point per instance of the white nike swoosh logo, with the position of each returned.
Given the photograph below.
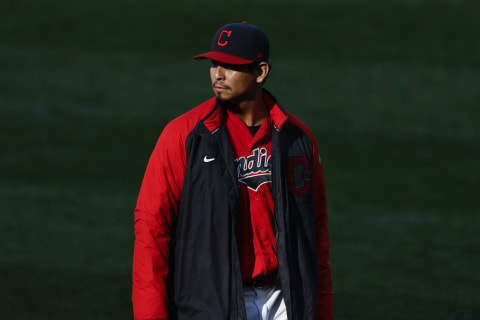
(207, 159)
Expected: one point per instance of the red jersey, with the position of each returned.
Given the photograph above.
(256, 225)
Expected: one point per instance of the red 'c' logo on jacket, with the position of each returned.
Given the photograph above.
(299, 175)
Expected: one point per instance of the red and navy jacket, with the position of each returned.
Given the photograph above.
(186, 263)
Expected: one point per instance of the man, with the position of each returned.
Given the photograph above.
(231, 219)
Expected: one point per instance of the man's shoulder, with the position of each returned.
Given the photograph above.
(186, 122)
(293, 120)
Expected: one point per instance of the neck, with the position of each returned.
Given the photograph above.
(253, 111)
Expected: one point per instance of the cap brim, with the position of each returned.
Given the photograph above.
(223, 57)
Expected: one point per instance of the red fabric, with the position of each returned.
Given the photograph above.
(223, 57)
(256, 225)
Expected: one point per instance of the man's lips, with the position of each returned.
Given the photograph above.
(220, 88)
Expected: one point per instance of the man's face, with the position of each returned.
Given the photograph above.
(233, 83)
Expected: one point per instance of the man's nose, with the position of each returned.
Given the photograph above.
(219, 72)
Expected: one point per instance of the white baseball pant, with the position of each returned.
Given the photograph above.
(265, 303)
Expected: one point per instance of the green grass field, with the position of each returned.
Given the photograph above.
(390, 88)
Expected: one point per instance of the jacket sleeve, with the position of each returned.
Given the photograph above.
(324, 300)
(155, 214)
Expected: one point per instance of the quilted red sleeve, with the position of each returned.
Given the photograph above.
(155, 213)
(324, 302)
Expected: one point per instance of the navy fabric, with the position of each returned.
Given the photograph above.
(253, 130)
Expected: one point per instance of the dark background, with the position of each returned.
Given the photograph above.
(390, 88)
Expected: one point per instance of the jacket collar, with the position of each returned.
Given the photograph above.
(278, 115)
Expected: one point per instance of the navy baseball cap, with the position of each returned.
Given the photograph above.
(238, 43)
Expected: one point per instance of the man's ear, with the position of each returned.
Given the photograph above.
(263, 69)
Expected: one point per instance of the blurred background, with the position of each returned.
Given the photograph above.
(389, 87)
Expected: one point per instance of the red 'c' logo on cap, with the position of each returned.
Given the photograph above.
(224, 43)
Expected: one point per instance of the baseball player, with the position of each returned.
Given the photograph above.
(231, 219)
